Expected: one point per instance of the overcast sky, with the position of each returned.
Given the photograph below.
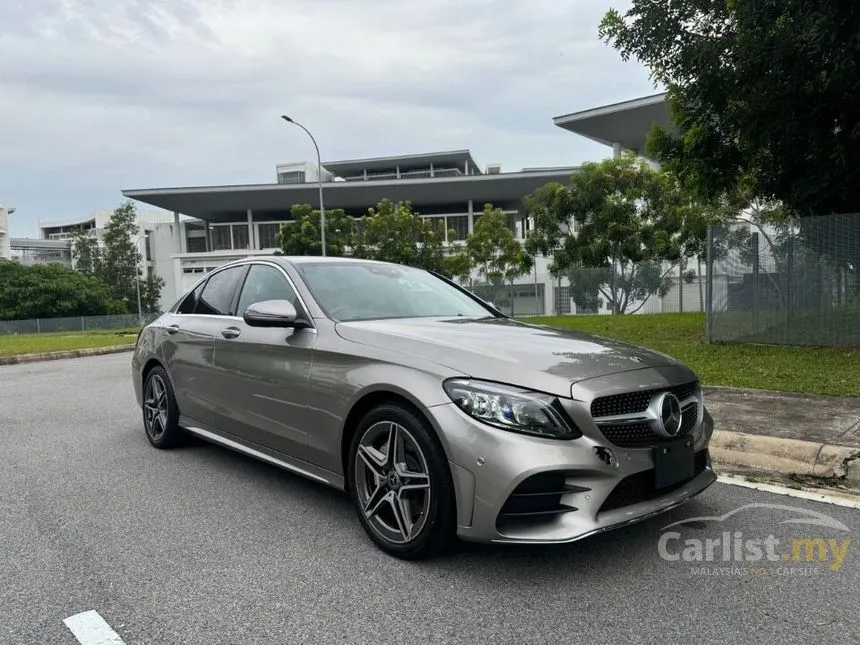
(101, 95)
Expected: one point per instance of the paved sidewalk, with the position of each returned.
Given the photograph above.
(15, 359)
(786, 434)
(806, 417)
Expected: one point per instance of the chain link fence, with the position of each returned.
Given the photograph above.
(518, 299)
(75, 323)
(795, 282)
(632, 288)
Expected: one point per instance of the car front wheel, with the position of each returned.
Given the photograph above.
(400, 483)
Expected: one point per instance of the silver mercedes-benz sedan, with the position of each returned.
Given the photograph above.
(439, 415)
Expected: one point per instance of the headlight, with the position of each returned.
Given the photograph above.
(512, 408)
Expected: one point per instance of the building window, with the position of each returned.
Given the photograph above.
(195, 244)
(268, 234)
(221, 238)
(291, 177)
(148, 246)
(240, 237)
(460, 225)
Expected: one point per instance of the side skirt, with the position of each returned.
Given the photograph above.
(296, 466)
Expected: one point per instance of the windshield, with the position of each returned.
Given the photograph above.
(353, 291)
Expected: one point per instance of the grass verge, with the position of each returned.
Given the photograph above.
(814, 370)
(14, 344)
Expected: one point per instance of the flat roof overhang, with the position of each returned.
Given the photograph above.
(626, 123)
(224, 203)
(353, 167)
(39, 244)
(65, 223)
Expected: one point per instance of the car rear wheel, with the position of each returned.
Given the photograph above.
(160, 412)
(400, 483)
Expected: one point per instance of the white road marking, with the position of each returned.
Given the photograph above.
(91, 629)
(847, 500)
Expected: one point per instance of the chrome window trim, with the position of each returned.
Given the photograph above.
(240, 263)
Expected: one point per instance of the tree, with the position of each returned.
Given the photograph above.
(302, 235)
(495, 252)
(457, 266)
(394, 233)
(150, 292)
(49, 291)
(120, 258)
(86, 253)
(117, 262)
(763, 94)
(612, 227)
(120, 262)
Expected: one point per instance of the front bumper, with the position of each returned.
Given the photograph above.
(488, 465)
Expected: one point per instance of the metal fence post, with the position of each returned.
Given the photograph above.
(790, 280)
(755, 271)
(709, 286)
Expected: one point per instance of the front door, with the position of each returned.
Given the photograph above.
(260, 374)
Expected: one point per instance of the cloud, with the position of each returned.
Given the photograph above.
(101, 95)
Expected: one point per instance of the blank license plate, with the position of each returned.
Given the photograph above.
(673, 462)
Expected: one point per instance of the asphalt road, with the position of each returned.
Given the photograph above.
(202, 545)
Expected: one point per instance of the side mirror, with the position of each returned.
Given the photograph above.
(271, 313)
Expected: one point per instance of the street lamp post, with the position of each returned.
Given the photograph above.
(319, 177)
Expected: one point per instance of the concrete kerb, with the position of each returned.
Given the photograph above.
(764, 454)
(69, 353)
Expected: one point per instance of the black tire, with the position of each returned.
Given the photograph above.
(437, 517)
(162, 427)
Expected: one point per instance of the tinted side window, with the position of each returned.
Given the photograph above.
(190, 302)
(218, 293)
(264, 283)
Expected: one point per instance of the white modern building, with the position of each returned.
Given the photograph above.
(229, 222)
(30, 251)
(212, 225)
(61, 231)
(5, 246)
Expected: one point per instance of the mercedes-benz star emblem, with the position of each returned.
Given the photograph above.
(667, 410)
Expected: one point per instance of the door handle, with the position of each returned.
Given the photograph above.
(172, 329)
(230, 332)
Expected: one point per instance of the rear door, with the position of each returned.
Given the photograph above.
(261, 374)
(188, 345)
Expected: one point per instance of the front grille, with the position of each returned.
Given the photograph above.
(639, 487)
(633, 402)
(538, 499)
(640, 435)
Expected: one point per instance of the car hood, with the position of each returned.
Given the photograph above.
(505, 350)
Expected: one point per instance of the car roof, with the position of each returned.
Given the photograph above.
(316, 259)
(298, 260)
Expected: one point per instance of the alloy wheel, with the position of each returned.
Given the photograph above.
(155, 407)
(392, 482)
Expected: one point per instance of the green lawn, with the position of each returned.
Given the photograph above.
(12, 344)
(792, 369)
